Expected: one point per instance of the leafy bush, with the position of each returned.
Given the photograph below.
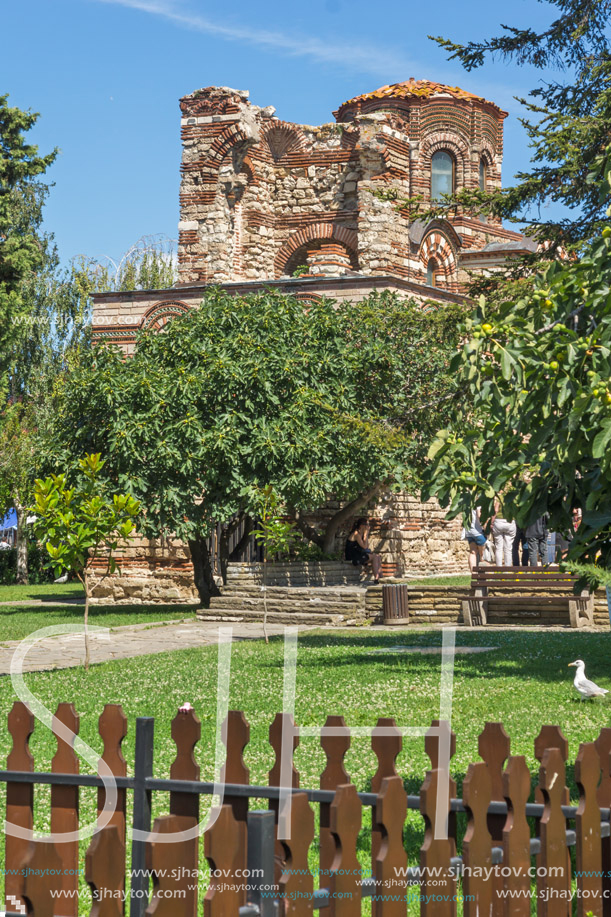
(37, 558)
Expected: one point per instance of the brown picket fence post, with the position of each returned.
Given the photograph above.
(587, 827)
(171, 868)
(391, 863)
(43, 882)
(437, 877)
(105, 872)
(235, 735)
(19, 803)
(516, 839)
(333, 776)
(603, 798)
(112, 727)
(345, 819)
(186, 733)
(386, 748)
(494, 747)
(283, 724)
(296, 882)
(554, 883)
(220, 843)
(432, 742)
(477, 843)
(551, 737)
(65, 806)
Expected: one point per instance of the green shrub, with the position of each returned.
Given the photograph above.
(37, 558)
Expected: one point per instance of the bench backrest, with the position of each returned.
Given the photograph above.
(522, 578)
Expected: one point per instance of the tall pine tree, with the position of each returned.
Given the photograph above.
(568, 123)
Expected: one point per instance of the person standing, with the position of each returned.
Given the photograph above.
(536, 535)
(476, 539)
(520, 549)
(503, 533)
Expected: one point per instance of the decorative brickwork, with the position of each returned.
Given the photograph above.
(260, 197)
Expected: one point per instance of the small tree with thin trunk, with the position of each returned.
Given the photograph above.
(81, 525)
(275, 532)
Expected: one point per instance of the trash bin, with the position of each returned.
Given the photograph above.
(395, 604)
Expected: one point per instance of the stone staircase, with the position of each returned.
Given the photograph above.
(318, 594)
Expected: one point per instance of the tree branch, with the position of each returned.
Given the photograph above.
(347, 511)
(308, 530)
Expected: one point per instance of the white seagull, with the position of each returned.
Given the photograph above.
(583, 685)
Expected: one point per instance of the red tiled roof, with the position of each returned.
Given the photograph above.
(412, 87)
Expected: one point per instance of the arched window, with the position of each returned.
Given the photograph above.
(442, 174)
(483, 174)
(432, 270)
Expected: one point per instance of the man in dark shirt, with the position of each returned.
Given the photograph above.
(536, 536)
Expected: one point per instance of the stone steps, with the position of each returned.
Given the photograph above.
(313, 619)
(232, 601)
(317, 605)
(310, 574)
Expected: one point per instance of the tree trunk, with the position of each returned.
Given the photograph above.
(202, 571)
(22, 544)
(86, 619)
(265, 596)
(350, 509)
(309, 531)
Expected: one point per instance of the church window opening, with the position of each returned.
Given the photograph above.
(483, 174)
(431, 272)
(442, 174)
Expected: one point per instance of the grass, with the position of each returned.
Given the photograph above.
(523, 682)
(440, 581)
(17, 621)
(56, 592)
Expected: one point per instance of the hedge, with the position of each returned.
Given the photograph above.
(36, 569)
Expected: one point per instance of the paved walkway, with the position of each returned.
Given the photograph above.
(68, 651)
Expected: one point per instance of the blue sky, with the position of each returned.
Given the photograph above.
(106, 76)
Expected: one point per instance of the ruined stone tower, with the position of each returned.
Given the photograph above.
(264, 200)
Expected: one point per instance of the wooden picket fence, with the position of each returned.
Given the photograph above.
(503, 828)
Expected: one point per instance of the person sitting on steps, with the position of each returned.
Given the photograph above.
(358, 550)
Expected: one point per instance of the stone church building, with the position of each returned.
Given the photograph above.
(292, 206)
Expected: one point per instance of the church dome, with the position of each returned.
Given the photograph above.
(409, 90)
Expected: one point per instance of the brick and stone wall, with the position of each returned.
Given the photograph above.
(261, 197)
(412, 538)
(150, 573)
(258, 194)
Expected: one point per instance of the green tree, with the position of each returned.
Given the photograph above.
(38, 312)
(568, 122)
(50, 333)
(150, 264)
(274, 531)
(24, 248)
(82, 524)
(18, 454)
(536, 427)
(336, 399)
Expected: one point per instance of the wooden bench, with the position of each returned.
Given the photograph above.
(526, 595)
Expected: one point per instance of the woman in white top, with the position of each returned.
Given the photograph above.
(504, 533)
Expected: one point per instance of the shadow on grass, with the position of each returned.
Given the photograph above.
(97, 611)
(537, 656)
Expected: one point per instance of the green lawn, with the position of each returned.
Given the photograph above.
(44, 592)
(17, 621)
(523, 681)
(440, 581)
